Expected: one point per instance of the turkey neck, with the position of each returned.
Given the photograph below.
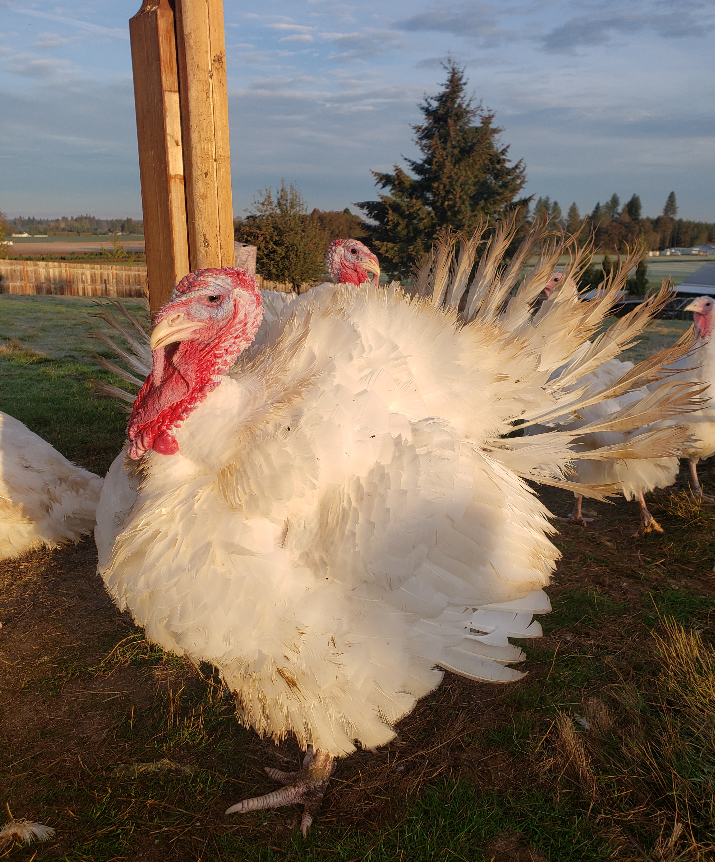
(183, 374)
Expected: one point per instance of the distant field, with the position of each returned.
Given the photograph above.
(84, 237)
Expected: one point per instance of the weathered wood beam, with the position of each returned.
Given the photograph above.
(204, 112)
(161, 167)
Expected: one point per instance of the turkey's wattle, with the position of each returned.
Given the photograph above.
(213, 316)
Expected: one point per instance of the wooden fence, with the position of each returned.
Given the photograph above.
(59, 278)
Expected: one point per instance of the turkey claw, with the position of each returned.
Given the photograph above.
(580, 520)
(307, 786)
(648, 527)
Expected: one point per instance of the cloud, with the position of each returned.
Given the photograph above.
(51, 40)
(602, 28)
(298, 27)
(363, 43)
(475, 20)
(41, 68)
(116, 32)
(297, 37)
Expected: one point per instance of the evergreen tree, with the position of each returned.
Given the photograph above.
(597, 215)
(4, 231)
(463, 176)
(638, 284)
(671, 206)
(611, 208)
(290, 246)
(542, 209)
(634, 208)
(573, 219)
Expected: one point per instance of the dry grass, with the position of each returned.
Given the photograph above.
(645, 761)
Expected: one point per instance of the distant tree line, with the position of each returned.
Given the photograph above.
(615, 226)
(83, 224)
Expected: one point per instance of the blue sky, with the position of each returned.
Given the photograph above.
(597, 97)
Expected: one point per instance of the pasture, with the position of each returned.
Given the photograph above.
(605, 750)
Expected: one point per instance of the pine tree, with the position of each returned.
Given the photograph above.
(611, 207)
(634, 208)
(671, 206)
(4, 231)
(573, 219)
(463, 176)
(637, 285)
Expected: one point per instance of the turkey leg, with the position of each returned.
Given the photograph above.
(576, 517)
(695, 483)
(648, 522)
(306, 786)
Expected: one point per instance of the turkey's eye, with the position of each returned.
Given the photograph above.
(353, 251)
(214, 300)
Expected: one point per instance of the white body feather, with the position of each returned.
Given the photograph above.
(44, 498)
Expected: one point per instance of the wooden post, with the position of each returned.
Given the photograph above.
(180, 90)
(204, 124)
(161, 167)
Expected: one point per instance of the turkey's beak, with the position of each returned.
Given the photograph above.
(372, 266)
(696, 305)
(174, 327)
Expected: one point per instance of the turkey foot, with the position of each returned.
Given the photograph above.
(648, 522)
(697, 490)
(306, 786)
(576, 517)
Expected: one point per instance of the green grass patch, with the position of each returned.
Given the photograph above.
(46, 350)
(682, 605)
(583, 606)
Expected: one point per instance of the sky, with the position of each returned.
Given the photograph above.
(596, 96)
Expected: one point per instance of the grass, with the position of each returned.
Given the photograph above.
(605, 750)
(45, 349)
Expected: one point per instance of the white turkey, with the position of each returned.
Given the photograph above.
(701, 366)
(335, 515)
(45, 500)
(634, 477)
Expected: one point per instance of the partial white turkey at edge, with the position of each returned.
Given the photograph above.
(45, 500)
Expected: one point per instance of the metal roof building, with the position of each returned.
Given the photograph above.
(699, 283)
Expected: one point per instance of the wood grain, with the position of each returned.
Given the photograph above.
(159, 134)
(204, 112)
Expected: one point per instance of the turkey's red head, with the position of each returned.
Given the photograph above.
(213, 316)
(349, 262)
(702, 309)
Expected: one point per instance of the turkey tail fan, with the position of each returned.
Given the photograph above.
(501, 297)
(134, 332)
(136, 355)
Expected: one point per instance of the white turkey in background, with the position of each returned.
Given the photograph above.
(633, 477)
(45, 500)
(332, 516)
(701, 367)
